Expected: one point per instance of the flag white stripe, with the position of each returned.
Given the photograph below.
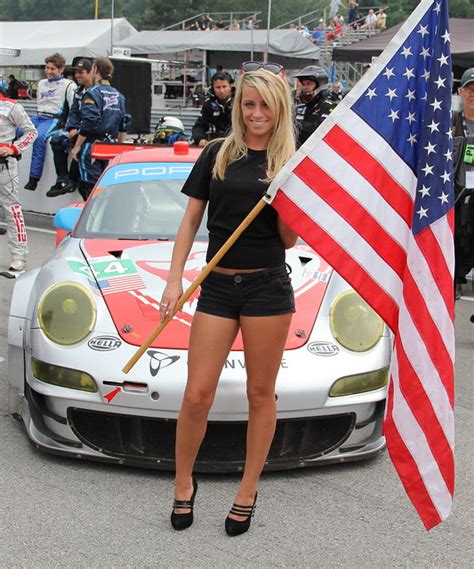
(444, 235)
(419, 357)
(415, 441)
(379, 148)
(342, 232)
(421, 273)
(362, 191)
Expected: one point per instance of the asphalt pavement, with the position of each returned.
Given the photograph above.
(59, 512)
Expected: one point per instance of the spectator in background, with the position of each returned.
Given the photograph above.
(334, 7)
(381, 20)
(370, 20)
(352, 17)
(463, 165)
(204, 22)
(303, 30)
(3, 86)
(234, 25)
(337, 22)
(13, 86)
(335, 93)
(319, 33)
(252, 23)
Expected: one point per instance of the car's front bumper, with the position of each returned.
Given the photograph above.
(148, 440)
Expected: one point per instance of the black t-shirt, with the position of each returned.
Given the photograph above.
(230, 201)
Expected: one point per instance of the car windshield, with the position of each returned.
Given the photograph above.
(150, 209)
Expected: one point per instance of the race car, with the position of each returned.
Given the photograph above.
(77, 320)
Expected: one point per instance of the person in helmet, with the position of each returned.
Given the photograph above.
(313, 101)
(169, 130)
(215, 120)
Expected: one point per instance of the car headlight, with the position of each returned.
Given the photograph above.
(63, 376)
(359, 383)
(67, 313)
(353, 323)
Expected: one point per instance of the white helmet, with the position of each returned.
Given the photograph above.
(171, 124)
(167, 128)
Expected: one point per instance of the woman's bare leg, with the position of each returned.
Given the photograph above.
(264, 340)
(210, 342)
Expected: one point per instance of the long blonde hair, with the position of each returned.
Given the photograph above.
(275, 91)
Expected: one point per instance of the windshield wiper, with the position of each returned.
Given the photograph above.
(159, 238)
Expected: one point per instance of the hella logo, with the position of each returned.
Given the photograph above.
(323, 349)
(104, 343)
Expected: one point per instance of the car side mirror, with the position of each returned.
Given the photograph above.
(66, 218)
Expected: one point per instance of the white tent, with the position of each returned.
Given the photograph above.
(283, 43)
(36, 40)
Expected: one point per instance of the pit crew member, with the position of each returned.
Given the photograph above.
(102, 118)
(62, 141)
(55, 95)
(215, 118)
(13, 117)
(313, 102)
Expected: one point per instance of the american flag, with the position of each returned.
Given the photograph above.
(115, 284)
(372, 192)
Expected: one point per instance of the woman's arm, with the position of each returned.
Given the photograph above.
(287, 235)
(184, 239)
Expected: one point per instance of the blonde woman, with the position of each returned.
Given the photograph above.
(249, 290)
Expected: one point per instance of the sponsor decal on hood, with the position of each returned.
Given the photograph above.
(104, 343)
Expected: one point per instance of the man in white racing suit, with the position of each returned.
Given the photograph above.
(13, 116)
(55, 97)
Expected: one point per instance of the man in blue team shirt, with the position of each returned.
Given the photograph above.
(68, 180)
(102, 118)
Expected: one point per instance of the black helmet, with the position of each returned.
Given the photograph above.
(315, 73)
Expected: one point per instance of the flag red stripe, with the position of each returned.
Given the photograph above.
(317, 238)
(407, 469)
(355, 215)
(435, 346)
(431, 249)
(422, 408)
(450, 217)
(368, 167)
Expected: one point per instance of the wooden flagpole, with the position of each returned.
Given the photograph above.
(193, 286)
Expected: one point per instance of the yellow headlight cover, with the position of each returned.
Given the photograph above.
(353, 322)
(359, 383)
(62, 376)
(67, 313)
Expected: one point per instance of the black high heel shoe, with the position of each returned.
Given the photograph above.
(234, 527)
(183, 521)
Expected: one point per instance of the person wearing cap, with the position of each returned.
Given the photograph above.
(463, 166)
(102, 117)
(68, 180)
(313, 101)
(215, 118)
(13, 117)
(55, 95)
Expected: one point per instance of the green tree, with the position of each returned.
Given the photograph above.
(155, 14)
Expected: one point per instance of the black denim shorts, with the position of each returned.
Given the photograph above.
(262, 293)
